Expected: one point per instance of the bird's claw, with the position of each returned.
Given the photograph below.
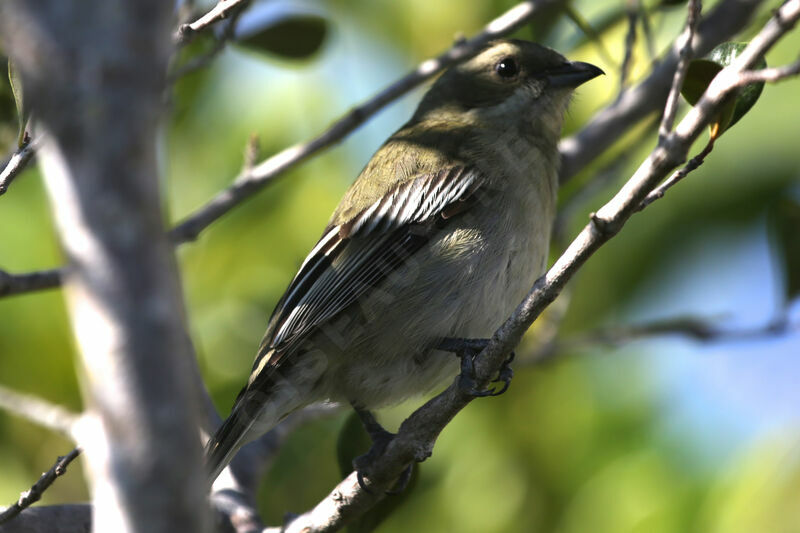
(466, 350)
(380, 440)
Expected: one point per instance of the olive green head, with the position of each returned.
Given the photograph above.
(507, 80)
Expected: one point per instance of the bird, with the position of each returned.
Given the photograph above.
(434, 244)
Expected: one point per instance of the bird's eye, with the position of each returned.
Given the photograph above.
(506, 67)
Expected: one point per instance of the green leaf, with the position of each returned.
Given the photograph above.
(786, 224)
(23, 113)
(292, 36)
(354, 441)
(671, 3)
(747, 96)
(8, 113)
(702, 71)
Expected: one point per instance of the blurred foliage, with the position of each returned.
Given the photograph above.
(580, 443)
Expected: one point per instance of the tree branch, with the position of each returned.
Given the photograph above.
(72, 518)
(203, 60)
(769, 75)
(696, 329)
(11, 284)
(684, 58)
(417, 434)
(39, 411)
(16, 164)
(98, 98)
(220, 11)
(29, 497)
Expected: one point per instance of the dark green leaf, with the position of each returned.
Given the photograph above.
(702, 71)
(296, 36)
(671, 3)
(747, 96)
(8, 114)
(23, 113)
(786, 223)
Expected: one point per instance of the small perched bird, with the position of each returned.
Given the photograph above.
(439, 239)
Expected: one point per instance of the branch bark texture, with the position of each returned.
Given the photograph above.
(94, 73)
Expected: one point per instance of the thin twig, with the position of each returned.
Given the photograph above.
(29, 497)
(696, 329)
(647, 31)
(769, 75)
(205, 59)
(39, 411)
(30, 281)
(222, 10)
(587, 29)
(634, 12)
(677, 176)
(250, 181)
(17, 163)
(671, 107)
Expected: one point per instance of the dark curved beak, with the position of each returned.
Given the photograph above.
(572, 74)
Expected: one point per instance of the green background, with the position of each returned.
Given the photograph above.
(662, 435)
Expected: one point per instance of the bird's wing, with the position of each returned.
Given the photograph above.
(357, 254)
(349, 259)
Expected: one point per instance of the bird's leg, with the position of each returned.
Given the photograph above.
(380, 440)
(467, 349)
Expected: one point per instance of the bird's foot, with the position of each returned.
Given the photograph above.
(380, 440)
(466, 350)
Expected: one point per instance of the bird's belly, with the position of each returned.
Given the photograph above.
(467, 291)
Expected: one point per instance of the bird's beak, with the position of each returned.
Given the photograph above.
(572, 74)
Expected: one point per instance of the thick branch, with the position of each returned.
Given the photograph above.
(98, 97)
(418, 433)
(74, 518)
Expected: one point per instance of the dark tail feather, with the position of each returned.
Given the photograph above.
(226, 442)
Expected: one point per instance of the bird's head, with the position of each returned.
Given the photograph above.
(509, 81)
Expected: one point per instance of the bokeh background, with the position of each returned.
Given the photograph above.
(663, 434)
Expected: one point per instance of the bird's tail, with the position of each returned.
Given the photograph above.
(224, 444)
(247, 420)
